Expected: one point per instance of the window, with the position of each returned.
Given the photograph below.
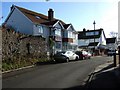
(89, 33)
(58, 45)
(92, 33)
(74, 36)
(87, 41)
(58, 32)
(40, 29)
(37, 17)
(96, 33)
(69, 34)
(91, 40)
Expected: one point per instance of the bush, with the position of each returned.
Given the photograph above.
(18, 62)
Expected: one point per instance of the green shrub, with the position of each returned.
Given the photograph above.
(18, 62)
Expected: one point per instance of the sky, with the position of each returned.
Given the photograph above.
(79, 14)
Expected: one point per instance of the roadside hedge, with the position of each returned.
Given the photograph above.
(19, 63)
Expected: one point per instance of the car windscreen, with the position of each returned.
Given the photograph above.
(78, 52)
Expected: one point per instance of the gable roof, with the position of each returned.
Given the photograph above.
(82, 34)
(110, 40)
(66, 26)
(32, 15)
(37, 17)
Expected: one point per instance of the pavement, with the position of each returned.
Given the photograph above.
(104, 76)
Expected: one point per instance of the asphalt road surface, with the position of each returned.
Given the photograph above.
(61, 75)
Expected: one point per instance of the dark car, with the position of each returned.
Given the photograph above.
(80, 54)
(59, 57)
(111, 52)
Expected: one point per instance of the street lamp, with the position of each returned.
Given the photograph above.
(94, 36)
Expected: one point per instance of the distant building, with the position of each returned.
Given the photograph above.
(86, 40)
(26, 21)
(111, 43)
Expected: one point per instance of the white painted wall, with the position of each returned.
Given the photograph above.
(102, 39)
(20, 22)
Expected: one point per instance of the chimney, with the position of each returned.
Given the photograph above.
(84, 29)
(11, 8)
(50, 14)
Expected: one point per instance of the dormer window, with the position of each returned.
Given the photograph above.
(37, 17)
(92, 33)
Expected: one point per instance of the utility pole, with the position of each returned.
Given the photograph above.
(94, 37)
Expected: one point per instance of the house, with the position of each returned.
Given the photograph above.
(111, 43)
(92, 39)
(70, 41)
(55, 31)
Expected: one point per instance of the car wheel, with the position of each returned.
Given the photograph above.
(76, 58)
(67, 60)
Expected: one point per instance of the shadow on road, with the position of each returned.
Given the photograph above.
(104, 78)
(54, 62)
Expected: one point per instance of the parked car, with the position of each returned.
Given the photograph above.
(79, 53)
(89, 55)
(60, 57)
(66, 56)
(86, 55)
(71, 55)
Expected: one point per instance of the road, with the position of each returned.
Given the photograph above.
(61, 75)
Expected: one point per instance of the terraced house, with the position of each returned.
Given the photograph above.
(58, 35)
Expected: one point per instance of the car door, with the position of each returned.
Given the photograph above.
(69, 54)
(72, 56)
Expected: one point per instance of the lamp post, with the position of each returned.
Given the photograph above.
(94, 36)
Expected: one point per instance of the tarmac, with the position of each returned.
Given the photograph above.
(104, 76)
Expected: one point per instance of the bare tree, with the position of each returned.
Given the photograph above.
(113, 34)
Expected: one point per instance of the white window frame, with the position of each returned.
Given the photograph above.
(70, 34)
(40, 28)
(58, 32)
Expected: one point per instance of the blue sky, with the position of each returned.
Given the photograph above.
(80, 14)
